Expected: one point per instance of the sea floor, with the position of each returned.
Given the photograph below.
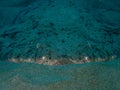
(89, 76)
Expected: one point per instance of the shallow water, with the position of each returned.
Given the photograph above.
(59, 44)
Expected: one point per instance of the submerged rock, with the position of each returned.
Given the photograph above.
(59, 29)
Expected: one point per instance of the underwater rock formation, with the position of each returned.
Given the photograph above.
(57, 30)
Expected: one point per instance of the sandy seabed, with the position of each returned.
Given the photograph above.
(89, 76)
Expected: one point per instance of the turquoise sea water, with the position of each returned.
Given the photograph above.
(59, 44)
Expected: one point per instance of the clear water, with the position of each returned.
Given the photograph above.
(59, 32)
